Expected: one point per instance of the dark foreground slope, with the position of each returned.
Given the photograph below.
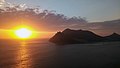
(69, 36)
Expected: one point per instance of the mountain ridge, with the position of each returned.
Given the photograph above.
(69, 36)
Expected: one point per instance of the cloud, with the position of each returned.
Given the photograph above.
(22, 5)
(2, 2)
(50, 20)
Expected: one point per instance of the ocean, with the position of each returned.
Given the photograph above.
(43, 54)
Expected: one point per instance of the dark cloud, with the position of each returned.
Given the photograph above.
(44, 18)
(50, 20)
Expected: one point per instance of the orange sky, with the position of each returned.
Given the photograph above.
(10, 34)
(7, 31)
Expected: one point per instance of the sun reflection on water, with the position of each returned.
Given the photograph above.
(23, 56)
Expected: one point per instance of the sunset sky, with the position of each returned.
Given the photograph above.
(93, 10)
(65, 14)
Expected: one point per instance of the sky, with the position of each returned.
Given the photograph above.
(93, 10)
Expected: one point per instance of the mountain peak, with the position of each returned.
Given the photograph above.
(66, 30)
(114, 34)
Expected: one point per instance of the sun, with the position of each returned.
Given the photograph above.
(23, 33)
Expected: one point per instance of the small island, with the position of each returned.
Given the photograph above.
(69, 36)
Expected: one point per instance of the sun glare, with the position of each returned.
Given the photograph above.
(23, 33)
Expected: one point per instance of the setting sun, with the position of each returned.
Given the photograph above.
(23, 33)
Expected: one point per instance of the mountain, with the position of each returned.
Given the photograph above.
(69, 36)
(113, 37)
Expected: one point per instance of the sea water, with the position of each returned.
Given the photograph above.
(43, 54)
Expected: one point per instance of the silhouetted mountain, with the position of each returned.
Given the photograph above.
(69, 36)
(113, 37)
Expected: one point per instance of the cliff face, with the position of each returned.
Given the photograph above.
(69, 36)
